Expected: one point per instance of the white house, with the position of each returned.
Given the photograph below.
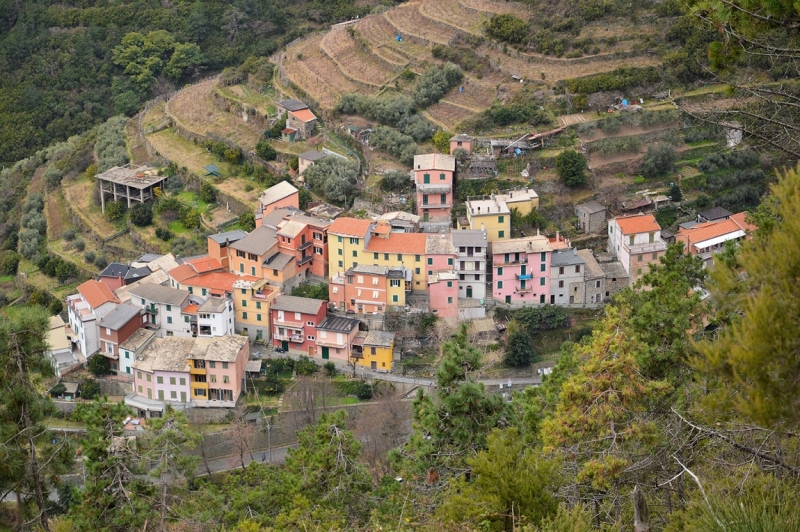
(133, 347)
(85, 309)
(215, 317)
(636, 242)
(163, 306)
(567, 285)
(470, 263)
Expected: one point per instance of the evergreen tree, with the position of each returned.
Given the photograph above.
(520, 351)
(571, 167)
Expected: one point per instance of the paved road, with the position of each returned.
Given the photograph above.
(233, 461)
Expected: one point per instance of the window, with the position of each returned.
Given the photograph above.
(310, 323)
(149, 378)
(224, 365)
(374, 294)
(355, 253)
(258, 305)
(213, 378)
(543, 256)
(541, 281)
(212, 365)
(142, 301)
(631, 239)
(258, 317)
(416, 271)
(394, 282)
(240, 254)
(241, 268)
(160, 380)
(639, 258)
(341, 264)
(441, 177)
(501, 219)
(191, 290)
(373, 350)
(499, 271)
(416, 258)
(652, 237)
(199, 391)
(244, 291)
(140, 389)
(127, 356)
(655, 256)
(226, 379)
(462, 277)
(353, 240)
(169, 319)
(424, 199)
(395, 298)
(561, 270)
(499, 285)
(172, 381)
(561, 284)
(426, 178)
(317, 250)
(449, 284)
(442, 199)
(244, 302)
(400, 257)
(449, 300)
(244, 315)
(160, 395)
(183, 381)
(340, 251)
(430, 261)
(543, 267)
(385, 256)
(375, 256)
(638, 271)
(339, 238)
(253, 270)
(186, 319)
(577, 268)
(309, 337)
(501, 234)
(375, 281)
(360, 279)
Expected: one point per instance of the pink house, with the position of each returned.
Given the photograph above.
(276, 197)
(461, 142)
(440, 255)
(433, 177)
(443, 290)
(335, 337)
(294, 321)
(521, 270)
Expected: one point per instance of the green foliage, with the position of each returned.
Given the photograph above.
(54, 266)
(333, 178)
(9, 262)
(164, 234)
(265, 150)
(434, 84)
(329, 369)
(305, 366)
(311, 291)
(100, 261)
(90, 389)
(395, 180)
(68, 235)
(110, 145)
(247, 221)
(463, 56)
(615, 145)
(571, 167)
(186, 247)
(144, 57)
(115, 210)
(52, 177)
(98, 365)
(394, 143)
(190, 217)
(508, 483)
(441, 139)
(658, 160)
(397, 111)
(208, 193)
(507, 28)
(536, 319)
(88, 256)
(519, 352)
(304, 198)
(619, 79)
(141, 214)
(675, 192)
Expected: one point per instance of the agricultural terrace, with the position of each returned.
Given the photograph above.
(341, 48)
(194, 109)
(476, 96)
(452, 13)
(494, 7)
(263, 102)
(380, 35)
(308, 68)
(410, 22)
(448, 115)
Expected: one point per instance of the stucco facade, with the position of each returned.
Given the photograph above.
(522, 271)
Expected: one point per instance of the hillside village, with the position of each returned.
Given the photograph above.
(460, 264)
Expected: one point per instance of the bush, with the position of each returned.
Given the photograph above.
(507, 28)
(90, 389)
(55, 307)
(265, 150)
(571, 167)
(619, 79)
(658, 160)
(675, 192)
(311, 291)
(164, 234)
(100, 261)
(305, 366)
(359, 388)
(435, 83)
(89, 256)
(519, 352)
(332, 178)
(208, 193)
(99, 365)
(396, 111)
(395, 180)
(68, 235)
(9, 262)
(141, 214)
(173, 184)
(329, 368)
(52, 177)
(115, 210)
(534, 320)
(190, 217)
(394, 143)
(110, 145)
(247, 221)
(79, 244)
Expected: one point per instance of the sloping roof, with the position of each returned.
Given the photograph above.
(528, 244)
(739, 218)
(399, 243)
(335, 323)
(309, 220)
(258, 241)
(134, 274)
(291, 228)
(592, 267)
(304, 115)
(303, 305)
(565, 257)
(96, 293)
(715, 213)
(277, 192)
(368, 269)
(710, 230)
(439, 244)
(350, 227)
(379, 338)
(253, 366)
(219, 281)
(276, 216)
(460, 138)
(312, 155)
(182, 272)
(614, 270)
(292, 105)
(120, 316)
(190, 309)
(631, 225)
(213, 304)
(137, 339)
(160, 294)
(228, 236)
(637, 204)
(115, 269)
(591, 207)
(149, 257)
(157, 277)
(164, 262)
(435, 161)
(279, 260)
(204, 264)
(470, 237)
(57, 335)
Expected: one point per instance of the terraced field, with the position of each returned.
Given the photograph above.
(475, 96)
(410, 22)
(448, 115)
(341, 48)
(494, 7)
(451, 12)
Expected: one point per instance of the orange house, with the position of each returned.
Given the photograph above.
(306, 239)
(218, 245)
(259, 255)
(278, 196)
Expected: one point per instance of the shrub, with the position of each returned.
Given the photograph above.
(99, 365)
(394, 143)
(173, 184)
(395, 180)
(675, 192)
(571, 168)
(305, 366)
(79, 244)
(115, 210)
(265, 150)
(658, 160)
(519, 352)
(247, 221)
(329, 368)
(141, 214)
(68, 235)
(100, 261)
(435, 83)
(52, 176)
(311, 291)
(359, 388)
(90, 389)
(208, 193)
(507, 28)
(164, 234)
(190, 218)
(619, 79)
(9, 262)
(332, 178)
(110, 145)
(55, 307)
(89, 256)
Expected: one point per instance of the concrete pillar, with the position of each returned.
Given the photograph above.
(102, 196)
(128, 195)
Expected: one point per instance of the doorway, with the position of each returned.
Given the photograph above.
(285, 345)
(469, 292)
(325, 353)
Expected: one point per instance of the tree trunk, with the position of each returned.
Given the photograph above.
(641, 515)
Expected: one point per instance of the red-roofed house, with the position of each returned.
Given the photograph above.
(636, 242)
(398, 249)
(706, 239)
(304, 121)
(91, 304)
(433, 176)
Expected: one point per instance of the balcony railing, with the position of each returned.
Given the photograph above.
(522, 276)
(151, 310)
(305, 246)
(524, 290)
(296, 338)
(197, 371)
(305, 260)
(436, 205)
(330, 342)
(289, 323)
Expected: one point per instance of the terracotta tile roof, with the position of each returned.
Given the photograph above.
(205, 264)
(303, 114)
(96, 293)
(399, 243)
(708, 230)
(182, 272)
(218, 280)
(739, 218)
(350, 227)
(190, 309)
(632, 225)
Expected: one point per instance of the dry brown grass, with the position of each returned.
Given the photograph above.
(58, 219)
(340, 48)
(476, 96)
(448, 115)
(194, 109)
(452, 13)
(410, 22)
(79, 194)
(495, 6)
(184, 152)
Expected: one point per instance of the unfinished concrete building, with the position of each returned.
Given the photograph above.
(129, 183)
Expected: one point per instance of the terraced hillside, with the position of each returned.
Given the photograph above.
(367, 57)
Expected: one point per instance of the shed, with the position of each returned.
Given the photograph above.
(211, 169)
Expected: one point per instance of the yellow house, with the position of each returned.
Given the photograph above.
(398, 249)
(374, 349)
(490, 215)
(252, 300)
(346, 241)
(524, 200)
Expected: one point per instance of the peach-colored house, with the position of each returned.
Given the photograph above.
(335, 336)
(443, 290)
(281, 195)
(218, 245)
(433, 177)
(708, 238)
(461, 142)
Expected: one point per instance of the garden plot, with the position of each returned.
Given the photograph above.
(262, 102)
(450, 12)
(356, 65)
(497, 7)
(411, 23)
(475, 96)
(194, 109)
(308, 68)
(449, 115)
(381, 37)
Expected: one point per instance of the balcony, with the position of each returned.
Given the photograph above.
(305, 246)
(522, 276)
(296, 338)
(523, 290)
(289, 324)
(305, 260)
(197, 371)
(436, 205)
(433, 188)
(331, 342)
(151, 310)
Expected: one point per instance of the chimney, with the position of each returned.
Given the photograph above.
(479, 209)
